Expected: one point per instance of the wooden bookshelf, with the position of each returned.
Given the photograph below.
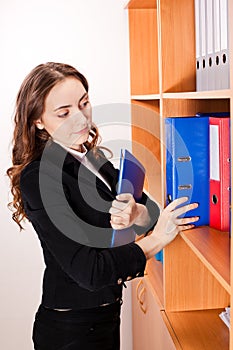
(193, 285)
(198, 329)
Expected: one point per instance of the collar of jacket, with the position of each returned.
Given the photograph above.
(56, 154)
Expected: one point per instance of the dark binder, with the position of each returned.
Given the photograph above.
(131, 180)
(187, 162)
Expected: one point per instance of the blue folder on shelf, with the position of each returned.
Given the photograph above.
(131, 180)
(187, 162)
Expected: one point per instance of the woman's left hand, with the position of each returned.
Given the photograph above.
(125, 212)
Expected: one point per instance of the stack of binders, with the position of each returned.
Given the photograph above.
(198, 165)
(212, 46)
(187, 162)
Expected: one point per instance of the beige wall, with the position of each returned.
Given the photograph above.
(92, 36)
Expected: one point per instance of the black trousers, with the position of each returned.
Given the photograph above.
(90, 329)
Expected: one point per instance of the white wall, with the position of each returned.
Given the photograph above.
(93, 36)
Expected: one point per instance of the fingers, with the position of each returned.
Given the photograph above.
(117, 226)
(120, 222)
(122, 202)
(182, 224)
(184, 209)
(118, 207)
(124, 197)
(185, 227)
(121, 211)
(176, 203)
(123, 218)
(185, 221)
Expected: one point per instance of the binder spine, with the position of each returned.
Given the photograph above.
(170, 160)
(220, 173)
(210, 44)
(225, 173)
(187, 162)
(224, 46)
(204, 71)
(198, 45)
(217, 54)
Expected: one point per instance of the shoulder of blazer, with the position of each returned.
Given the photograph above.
(55, 159)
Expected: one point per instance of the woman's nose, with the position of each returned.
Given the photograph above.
(80, 117)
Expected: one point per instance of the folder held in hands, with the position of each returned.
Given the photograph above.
(131, 180)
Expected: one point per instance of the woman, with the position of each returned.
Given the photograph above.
(64, 185)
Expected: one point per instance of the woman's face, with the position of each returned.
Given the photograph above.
(67, 113)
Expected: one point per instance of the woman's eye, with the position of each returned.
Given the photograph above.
(63, 115)
(84, 104)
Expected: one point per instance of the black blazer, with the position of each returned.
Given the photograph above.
(68, 208)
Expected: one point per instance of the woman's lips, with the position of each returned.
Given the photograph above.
(83, 131)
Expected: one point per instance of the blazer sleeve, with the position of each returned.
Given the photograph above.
(154, 212)
(92, 268)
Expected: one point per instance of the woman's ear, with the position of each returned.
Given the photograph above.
(38, 123)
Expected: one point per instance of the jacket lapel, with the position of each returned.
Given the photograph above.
(81, 172)
(74, 168)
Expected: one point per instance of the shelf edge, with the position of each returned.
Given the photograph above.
(146, 97)
(221, 94)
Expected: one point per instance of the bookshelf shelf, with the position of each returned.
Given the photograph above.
(220, 94)
(202, 329)
(146, 97)
(213, 249)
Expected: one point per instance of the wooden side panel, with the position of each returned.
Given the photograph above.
(143, 51)
(146, 143)
(178, 45)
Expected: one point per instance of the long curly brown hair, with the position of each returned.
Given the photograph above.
(28, 140)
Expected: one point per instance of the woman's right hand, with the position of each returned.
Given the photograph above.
(168, 226)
